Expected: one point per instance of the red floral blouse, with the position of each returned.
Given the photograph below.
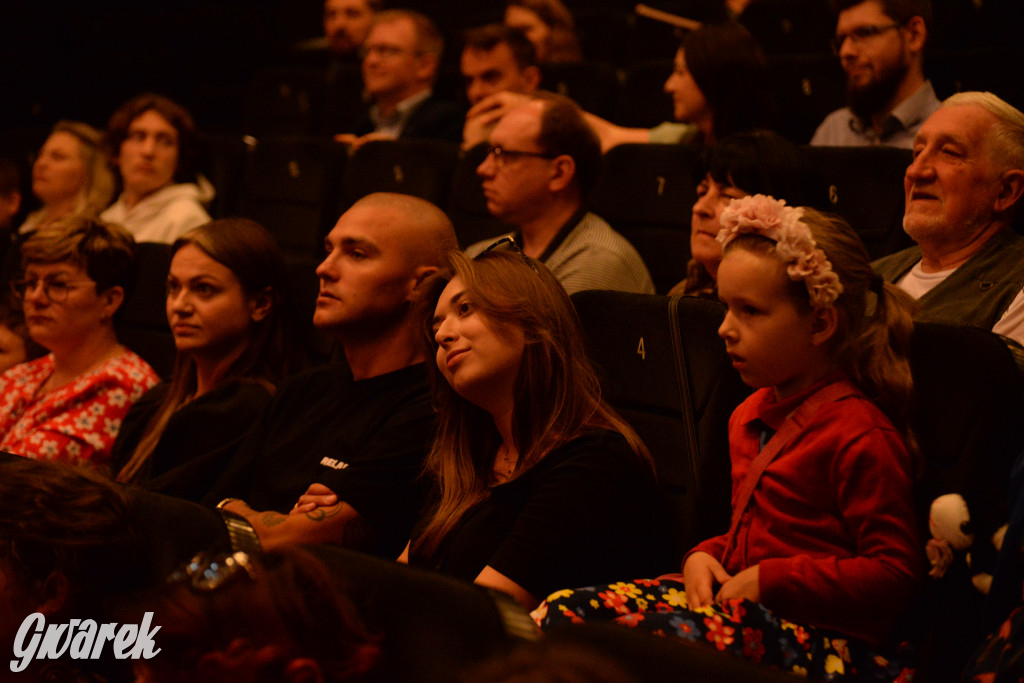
(76, 423)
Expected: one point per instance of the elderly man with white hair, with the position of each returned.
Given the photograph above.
(962, 192)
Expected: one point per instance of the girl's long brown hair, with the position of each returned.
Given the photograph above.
(557, 393)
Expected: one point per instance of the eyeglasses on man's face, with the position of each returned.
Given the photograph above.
(861, 34)
(504, 156)
(386, 51)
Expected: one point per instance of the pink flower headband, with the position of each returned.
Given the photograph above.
(771, 218)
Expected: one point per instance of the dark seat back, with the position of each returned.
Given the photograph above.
(432, 625)
(665, 370)
(970, 428)
(865, 186)
(646, 192)
(421, 168)
(807, 87)
(592, 85)
(284, 101)
(292, 186)
(142, 323)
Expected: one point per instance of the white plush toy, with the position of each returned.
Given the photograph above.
(948, 522)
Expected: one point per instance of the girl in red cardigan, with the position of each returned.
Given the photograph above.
(822, 554)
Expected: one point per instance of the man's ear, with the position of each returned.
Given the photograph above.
(426, 67)
(916, 33)
(564, 171)
(261, 305)
(112, 300)
(53, 594)
(1011, 186)
(420, 276)
(823, 325)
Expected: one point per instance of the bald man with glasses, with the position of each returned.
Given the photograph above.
(880, 44)
(543, 161)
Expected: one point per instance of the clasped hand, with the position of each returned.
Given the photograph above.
(702, 571)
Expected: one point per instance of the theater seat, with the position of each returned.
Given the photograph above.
(665, 370)
(142, 323)
(807, 88)
(646, 192)
(284, 101)
(970, 428)
(865, 186)
(292, 186)
(642, 100)
(433, 625)
(421, 168)
(592, 85)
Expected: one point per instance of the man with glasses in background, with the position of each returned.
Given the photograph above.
(880, 44)
(543, 163)
(400, 61)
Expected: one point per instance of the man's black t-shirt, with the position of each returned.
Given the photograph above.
(364, 440)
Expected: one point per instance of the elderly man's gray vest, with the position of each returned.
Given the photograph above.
(977, 293)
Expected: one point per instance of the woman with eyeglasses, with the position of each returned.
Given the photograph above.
(227, 306)
(539, 482)
(68, 405)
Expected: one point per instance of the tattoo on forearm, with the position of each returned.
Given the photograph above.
(320, 514)
(272, 518)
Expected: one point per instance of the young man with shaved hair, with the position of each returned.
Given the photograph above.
(361, 433)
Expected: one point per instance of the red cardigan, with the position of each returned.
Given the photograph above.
(831, 521)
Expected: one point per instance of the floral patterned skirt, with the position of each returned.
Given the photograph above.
(742, 627)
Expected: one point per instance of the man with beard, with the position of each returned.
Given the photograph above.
(880, 44)
(346, 25)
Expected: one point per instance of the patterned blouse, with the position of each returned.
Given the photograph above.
(76, 423)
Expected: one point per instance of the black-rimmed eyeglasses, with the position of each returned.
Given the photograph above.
(504, 156)
(860, 34)
(55, 290)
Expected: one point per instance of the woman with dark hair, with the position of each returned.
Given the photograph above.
(537, 476)
(549, 25)
(153, 143)
(277, 617)
(70, 175)
(753, 162)
(227, 307)
(719, 86)
(68, 404)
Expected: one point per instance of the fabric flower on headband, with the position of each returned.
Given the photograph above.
(771, 218)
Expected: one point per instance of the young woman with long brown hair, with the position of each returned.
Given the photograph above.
(226, 307)
(540, 483)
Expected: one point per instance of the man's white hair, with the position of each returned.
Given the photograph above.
(1007, 136)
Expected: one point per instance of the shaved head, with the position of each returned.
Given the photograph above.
(426, 233)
